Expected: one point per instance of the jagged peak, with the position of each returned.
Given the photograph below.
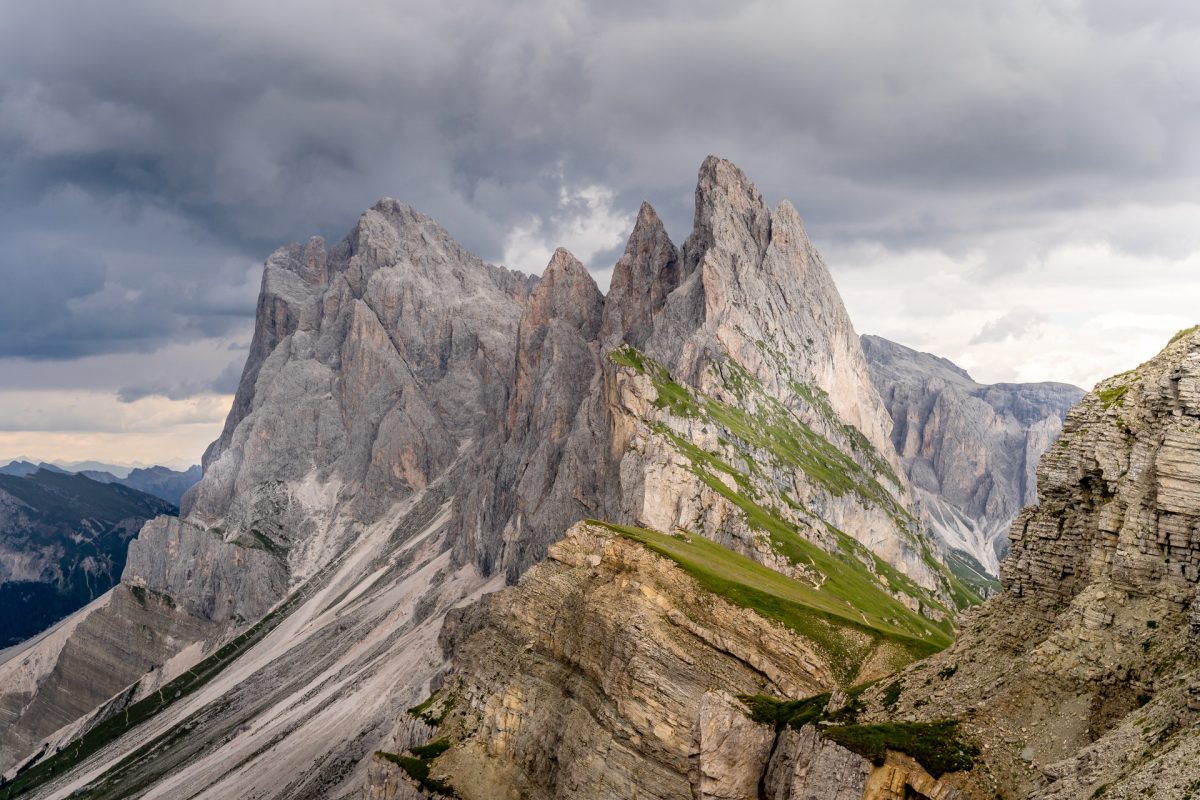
(646, 216)
(728, 206)
(568, 292)
(646, 273)
(564, 265)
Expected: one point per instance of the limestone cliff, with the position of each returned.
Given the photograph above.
(627, 664)
(1081, 678)
(970, 450)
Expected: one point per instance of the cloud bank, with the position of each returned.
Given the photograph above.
(151, 155)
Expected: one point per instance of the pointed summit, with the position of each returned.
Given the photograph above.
(567, 293)
(649, 270)
(728, 208)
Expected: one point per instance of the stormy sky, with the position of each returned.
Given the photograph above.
(1012, 184)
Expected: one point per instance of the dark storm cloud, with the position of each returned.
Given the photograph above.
(151, 154)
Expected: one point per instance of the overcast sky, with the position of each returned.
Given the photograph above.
(1010, 184)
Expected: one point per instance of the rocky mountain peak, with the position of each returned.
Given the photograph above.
(648, 271)
(567, 292)
(729, 208)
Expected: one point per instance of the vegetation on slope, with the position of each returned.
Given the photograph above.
(833, 617)
(936, 746)
(769, 441)
(418, 765)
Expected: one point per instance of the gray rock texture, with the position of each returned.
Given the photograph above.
(970, 450)
(415, 427)
(1079, 680)
(591, 679)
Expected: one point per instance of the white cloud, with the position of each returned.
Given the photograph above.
(1079, 313)
(585, 223)
(67, 425)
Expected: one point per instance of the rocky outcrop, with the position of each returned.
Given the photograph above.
(804, 766)
(592, 676)
(208, 578)
(1079, 679)
(970, 450)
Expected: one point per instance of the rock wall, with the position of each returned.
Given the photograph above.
(970, 450)
(1080, 679)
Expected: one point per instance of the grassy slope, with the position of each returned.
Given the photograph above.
(791, 445)
(821, 615)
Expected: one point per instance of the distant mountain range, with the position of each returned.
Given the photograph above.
(162, 482)
(63, 541)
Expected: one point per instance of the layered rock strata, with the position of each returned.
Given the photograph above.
(1080, 679)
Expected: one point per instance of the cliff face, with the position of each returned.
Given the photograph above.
(628, 664)
(970, 450)
(1081, 678)
(590, 678)
(415, 427)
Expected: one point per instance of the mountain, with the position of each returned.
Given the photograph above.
(63, 540)
(23, 468)
(1082, 678)
(970, 450)
(415, 428)
(162, 482)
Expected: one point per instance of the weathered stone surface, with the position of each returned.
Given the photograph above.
(591, 677)
(206, 577)
(646, 274)
(970, 450)
(1079, 674)
(62, 679)
(804, 766)
(728, 750)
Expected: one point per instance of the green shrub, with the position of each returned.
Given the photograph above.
(432, 750)
(768, 710)
(891, 694)
(1113, 397)
(418, 770)
(936, 746)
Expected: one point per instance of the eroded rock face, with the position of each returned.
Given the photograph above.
(206, 577)
(728, 749)
(1080, 674)
(591, 679)
(970, 450)
(804, 766)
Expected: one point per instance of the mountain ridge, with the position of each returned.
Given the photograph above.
(969, 449)
(415, 427)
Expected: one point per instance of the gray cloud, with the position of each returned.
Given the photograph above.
(152, 154)
(1013, 325)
